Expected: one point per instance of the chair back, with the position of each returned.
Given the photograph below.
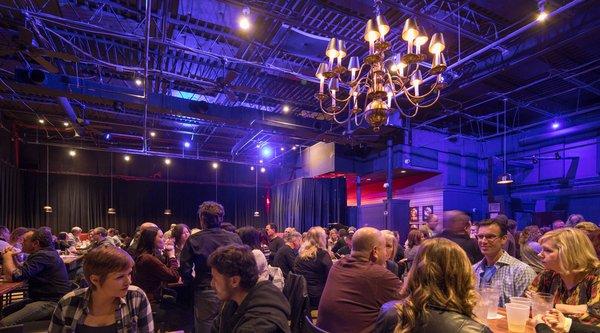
(296, 292)
(309, 327)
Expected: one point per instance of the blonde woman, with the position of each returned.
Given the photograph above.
(572, 274)
(438, 294)
(391, 247)
(314, 263)
(529, 247)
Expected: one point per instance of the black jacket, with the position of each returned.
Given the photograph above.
(438, 320)
(264, 309)
(466, 243)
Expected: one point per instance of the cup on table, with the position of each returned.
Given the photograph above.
(542, 303)
(521, 300)
(517, 315)
(492, 294)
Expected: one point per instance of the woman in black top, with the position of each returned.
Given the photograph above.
(314, 263)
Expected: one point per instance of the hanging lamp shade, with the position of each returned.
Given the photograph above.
(112, 211)
(504, 179)
(323, 68)
(382, 25)
(47, 209)
(332, 51)
(342, 52)
(422, 38)
(437, 43)
(334, 85)
(354, 64)
(168, 212)
(410, 30)
(371, 32)
(256, 214)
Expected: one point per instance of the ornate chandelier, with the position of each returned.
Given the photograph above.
(379, 78)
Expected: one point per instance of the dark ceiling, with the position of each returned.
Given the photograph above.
(223, 90)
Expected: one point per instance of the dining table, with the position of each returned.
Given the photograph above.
(6, 288)
(500, 324)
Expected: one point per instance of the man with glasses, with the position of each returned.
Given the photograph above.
(498, 268)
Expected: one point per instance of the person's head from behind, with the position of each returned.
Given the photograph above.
(151, 241)
(181, 233)
(228, 227)
(369, 244)
(99, 234)
(113, 232)
(440, 276)
(16, 237)
(457, 222)
(595, 238)
(108, 271)
(147, 225)
(415, 237)
(512, 226)
(348, 239)
(432, 221)
(234, 271)
(76, 231)
(391, 244)
(558, 224)
(530, 233)
(568, 251)
(210, 214)
(316, 238)
(293, 239)
(271, 230)
(62, 236)
(288, 230)
(250, 236)
(37, 239)
(586, 227)
(573, 219)
(491, 236)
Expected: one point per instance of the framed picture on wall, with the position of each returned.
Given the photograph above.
(427, 210)
(413, 214)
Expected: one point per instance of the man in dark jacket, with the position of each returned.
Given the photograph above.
(194, 256)
(456, 229)
(249, 306)
(46, 276)
(285, 257)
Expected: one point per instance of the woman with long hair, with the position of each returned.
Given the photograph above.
(572, 274)
(438, 294)
(180, 233)
(530, 248)
(314, 263)
(413, 242)
(150, 272)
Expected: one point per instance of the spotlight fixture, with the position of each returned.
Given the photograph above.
(107, 136)
(266, 151)
(167, 161)
(258, 146)
(534, 159)
(186, 144)
(402, 171)
(127, 158)
(244, 20)
(72, 153)
(555, 125)
(282, 149)
(256, 214)
(66, 124)
(505, 179)
(112, 211)
(286, 109)
(260, 161)
(152, 134)
(294, 148)
(215, 165)
(47, 209)
(138, 81)
(263, 170)
(542, 16)
(252, 168)
(41, 121)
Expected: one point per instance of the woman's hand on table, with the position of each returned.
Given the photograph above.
(557, 321)
(575, 311)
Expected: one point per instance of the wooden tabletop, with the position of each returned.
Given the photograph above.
(501, 325)
(7, 287)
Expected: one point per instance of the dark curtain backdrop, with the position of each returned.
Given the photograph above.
(10, 194)
(307, 202)
(84, 201)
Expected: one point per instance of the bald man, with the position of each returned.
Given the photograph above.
(457, 228)
(358, 285)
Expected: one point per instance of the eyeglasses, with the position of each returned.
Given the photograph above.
(489, 237)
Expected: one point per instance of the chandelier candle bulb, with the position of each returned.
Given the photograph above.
(331, 51)
(383, 26)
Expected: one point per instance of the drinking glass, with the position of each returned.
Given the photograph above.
(542, 303)
(492, 294)
(517, 315)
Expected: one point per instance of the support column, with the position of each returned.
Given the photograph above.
(358, 200)
(389, 179)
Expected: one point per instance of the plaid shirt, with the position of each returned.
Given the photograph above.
(133, 313)
(512, 276)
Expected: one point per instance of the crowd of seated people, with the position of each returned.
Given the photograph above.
(358, 280)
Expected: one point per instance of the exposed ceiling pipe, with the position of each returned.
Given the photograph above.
(76, 122)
